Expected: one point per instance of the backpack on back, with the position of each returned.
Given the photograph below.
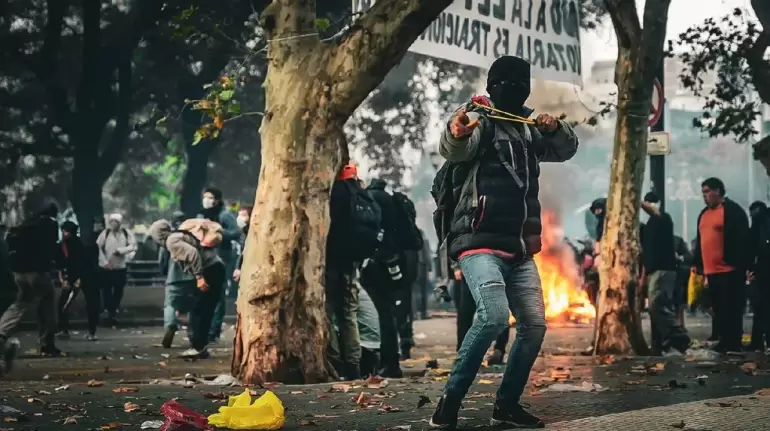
(203, 230)
(365, 220)
(24, 244)
(407, 235)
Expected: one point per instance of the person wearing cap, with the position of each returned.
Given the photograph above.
(660, 263)
(495, 150)
(116, 246)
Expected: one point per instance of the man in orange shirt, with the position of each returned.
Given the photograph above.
(721, 254)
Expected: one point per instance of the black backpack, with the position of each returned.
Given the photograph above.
(407, 234)
(365, 222)
(26, 244)
(441, 190)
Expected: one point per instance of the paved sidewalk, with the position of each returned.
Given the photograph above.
(744, 413)
(636, 393)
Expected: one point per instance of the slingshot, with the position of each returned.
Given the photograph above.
(508, 116)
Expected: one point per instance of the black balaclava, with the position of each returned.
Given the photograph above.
(508, 83)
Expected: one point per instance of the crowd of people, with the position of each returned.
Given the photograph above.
(488, 222)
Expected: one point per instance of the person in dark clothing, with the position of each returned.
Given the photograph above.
(8, 288)
(70, 261)
(684, 263)
(495, 230)
(660, 265)
(32, 252)
(721, 254)
(214, 209)
(598, 209)
(759, 274)
(381, 287)
(91, 279)
(340, 276)
(243, 220)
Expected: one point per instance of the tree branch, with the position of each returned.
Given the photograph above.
(625, 20)
(377, 41)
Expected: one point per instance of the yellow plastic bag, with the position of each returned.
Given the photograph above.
(266, 413)
(694, 288)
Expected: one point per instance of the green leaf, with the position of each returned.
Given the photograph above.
(226, 95)
(215, 134)
(200, 134)
(207, 86)
(234, 108)
(322, 24)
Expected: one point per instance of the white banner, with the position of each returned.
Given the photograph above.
(476, 32)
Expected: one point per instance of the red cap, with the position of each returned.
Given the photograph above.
(348, 172)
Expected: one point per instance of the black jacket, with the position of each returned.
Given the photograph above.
(658, 244)
(339, 225)
(736, 252)
(73, 264)
(496, 183)
(385, 200)
(759, 242)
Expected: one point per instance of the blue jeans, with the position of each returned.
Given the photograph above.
(497, 285)
(179, 297)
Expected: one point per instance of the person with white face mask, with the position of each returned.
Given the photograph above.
(214, 210)
(660, 265)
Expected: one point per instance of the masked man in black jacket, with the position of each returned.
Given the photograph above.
(495, 230)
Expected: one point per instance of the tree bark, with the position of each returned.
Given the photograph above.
(311, 90)
(640, 49)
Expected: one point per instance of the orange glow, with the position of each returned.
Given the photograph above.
(560, 276)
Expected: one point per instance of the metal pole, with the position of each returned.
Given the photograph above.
(658, 163)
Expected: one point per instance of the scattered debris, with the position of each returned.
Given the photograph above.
(151, 425)
(94, 383)
(583, 387)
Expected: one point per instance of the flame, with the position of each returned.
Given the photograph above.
(560, 276)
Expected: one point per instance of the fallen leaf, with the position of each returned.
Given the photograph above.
(361, 400)
(113, 426)
(130, 407)
(633, 382)
(43, 393)
(307, 422)
(763, 392)
(296, 393)
(70, 420)
(62, 388)
(125, 390)
(341, 387)
(384, 408)
(94, 383)
(749, 368)
(163, 363)
(437, 372)
(423, 401)
(376, 382)
(486, 382)
(325, 416)
(431, 364)
(606, 360)
(679, 425)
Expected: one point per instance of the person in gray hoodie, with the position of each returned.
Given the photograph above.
(180, 290)
(203, 263)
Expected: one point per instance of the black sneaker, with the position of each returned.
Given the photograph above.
(445, 416)
(515, 416)
(168, 338)
(496, 358)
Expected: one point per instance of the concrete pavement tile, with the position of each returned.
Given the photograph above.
(741, 413)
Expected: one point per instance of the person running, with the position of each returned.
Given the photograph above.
(494, 230)
(31, 255)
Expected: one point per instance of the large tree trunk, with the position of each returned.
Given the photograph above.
(311, 90)
(618, 326)
(87, 200)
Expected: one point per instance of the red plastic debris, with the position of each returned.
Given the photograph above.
(180, 418)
